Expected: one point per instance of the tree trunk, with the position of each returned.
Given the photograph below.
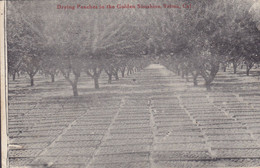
(177, 70)
(73, 83)
(182, 74)
(235, 67)
(109, 78)
(123, 72)
(247, 70)
(95, 76)
(109, 74)
(195, 82)
(75, 89)
(207, 84)
(96, 82)
(129, 71)
(32, 81)
(116, 75)
(209, 77)
(132, 70)
(195, 76)
(208, 81)
(14, 76)
(187, 75)
(249, 66)
(52, 78)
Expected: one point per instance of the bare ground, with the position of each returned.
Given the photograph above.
(160, 120)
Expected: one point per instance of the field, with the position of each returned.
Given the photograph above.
(152, 118)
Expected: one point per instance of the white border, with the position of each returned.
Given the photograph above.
(4, 86)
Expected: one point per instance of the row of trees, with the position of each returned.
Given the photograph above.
(212, 34)
(73, 43)
(194, 41)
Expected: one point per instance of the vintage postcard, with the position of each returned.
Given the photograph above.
(130, 83)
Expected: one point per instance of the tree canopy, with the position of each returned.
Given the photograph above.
(194, 40)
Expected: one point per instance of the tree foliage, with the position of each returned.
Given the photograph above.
(188, 41)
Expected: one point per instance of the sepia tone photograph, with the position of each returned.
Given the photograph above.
(130, 83)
